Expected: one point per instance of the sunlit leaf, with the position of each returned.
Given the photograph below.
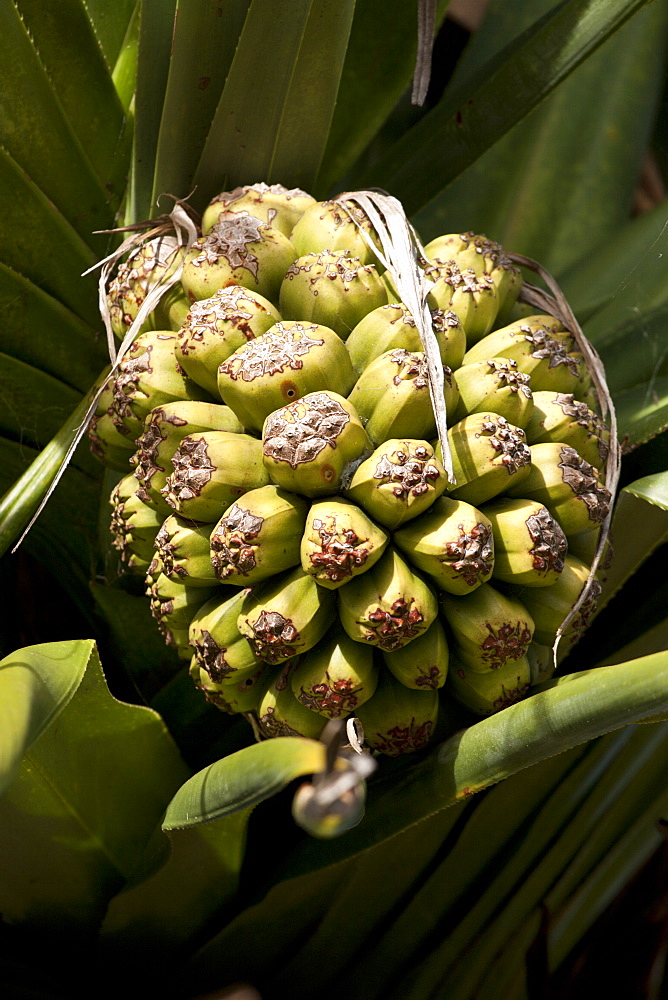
(205, 38)
(593, 127)
(64, 38)
(468, 122)
(295, 109)
(110, 21)
(36, 133)
(91, 789)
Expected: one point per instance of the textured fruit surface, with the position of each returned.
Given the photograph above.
(304, 546)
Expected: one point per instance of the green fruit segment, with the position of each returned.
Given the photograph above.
(423, 664)
(134, 524)
(567, 485)
(558, 416)
(549, 606)
(286, 363)
(529, 545)
(134, 279)
(149, 376)
(484, 256)
(328, 226)
(210, 471)
(239, 250)
(336, 677)
(258, 536)
(496, 385)
(274, 204)
(164, 429)
(220, 649)
(310, 445)
(391, 326)
(388, 606)
(184, 551)
(331, 287)
(281, 714)
(393, 400)
(234, 695)
(339, 542)
(486, 694)
(398, 482)
(398, 720)
(489, 628)
(452, 543)
(214, 328)
(489, 456)
(286, 616)
(547, 355)
(472, 297)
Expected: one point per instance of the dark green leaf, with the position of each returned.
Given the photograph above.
(462, 958)
(563, 179)
(136, 640)
(634, 351)
(63, 538)
(205, 38)
(66, 43)
(379, 63)
(468, 122)
(36, 133)
(334, 901)
(639, 526)
(78, 816)
(426, 883)
(627, 270)
(29, 485)
(38, 242)
(206, 821)
(33, 404)
(642, 411)
(110, 19)
(272, 125)
(40, 331)
(155, 39)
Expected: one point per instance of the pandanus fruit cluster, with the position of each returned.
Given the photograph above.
(286, 495)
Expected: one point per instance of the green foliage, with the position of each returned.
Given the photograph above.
(549, 804)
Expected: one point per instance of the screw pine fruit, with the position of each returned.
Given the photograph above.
(289, 506)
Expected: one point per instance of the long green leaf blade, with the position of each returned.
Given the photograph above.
(155, 39)
(40, 331)
(64, 37)
(626, 270)
(205, 39)
(276, 129)
(522, 191)
(37, 241)
(36, 133)
(243, 780)
(465, 124)
(110, 22)
(379, 63)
